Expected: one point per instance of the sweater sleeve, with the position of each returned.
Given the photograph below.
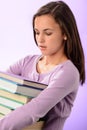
(60, 85)
(18, 67)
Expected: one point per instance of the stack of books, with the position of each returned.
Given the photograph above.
(16, 91)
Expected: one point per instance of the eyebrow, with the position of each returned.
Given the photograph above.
(47, 29)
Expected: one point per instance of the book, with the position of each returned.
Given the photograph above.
(18, 88)
(9, 103)
(21, 80)
(1, 115)
(4, 110)
(16, 97)
(14, 91)
(37, 126)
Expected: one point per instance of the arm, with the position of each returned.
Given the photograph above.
(60, 86)
(19, 67)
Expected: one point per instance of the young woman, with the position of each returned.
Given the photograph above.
(60, 66)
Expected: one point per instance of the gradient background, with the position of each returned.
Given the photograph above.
(16, 41)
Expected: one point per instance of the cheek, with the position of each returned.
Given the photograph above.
(56, 43)
(59, 40)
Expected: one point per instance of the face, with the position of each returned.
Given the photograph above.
(48, 35)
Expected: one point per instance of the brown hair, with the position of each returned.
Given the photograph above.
(63, 15)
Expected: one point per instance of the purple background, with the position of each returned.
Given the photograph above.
(16, 41)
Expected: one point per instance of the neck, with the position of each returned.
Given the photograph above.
(53, 60)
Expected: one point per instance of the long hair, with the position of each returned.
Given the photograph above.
(63, 15)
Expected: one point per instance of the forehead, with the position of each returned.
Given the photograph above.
(45, 21)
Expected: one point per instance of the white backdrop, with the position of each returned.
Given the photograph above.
(16, 41)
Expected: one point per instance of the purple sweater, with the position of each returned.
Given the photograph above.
(54, 103)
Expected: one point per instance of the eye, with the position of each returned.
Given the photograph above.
(48, 33)
(36, 33)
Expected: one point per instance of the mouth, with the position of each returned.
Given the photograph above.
(42, 47)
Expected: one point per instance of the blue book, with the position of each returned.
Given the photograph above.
(20, 85)
(21, 80)
(14, 87)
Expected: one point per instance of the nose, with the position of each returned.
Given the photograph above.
(40, 38)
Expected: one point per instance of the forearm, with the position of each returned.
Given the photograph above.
(17, 119)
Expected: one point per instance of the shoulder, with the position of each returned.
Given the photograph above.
(19, 66)
(67, 68)
(71, 72)
(70, 69)
(66, 75)
(28, 58)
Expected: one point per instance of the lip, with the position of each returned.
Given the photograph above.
(42, 47)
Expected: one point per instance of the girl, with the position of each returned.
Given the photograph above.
(60, 66)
